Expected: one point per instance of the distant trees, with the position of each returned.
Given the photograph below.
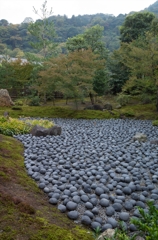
(15, 75)
(134, 27)
(141, 58)
(71, 74)
(43, 32)
(92, 38)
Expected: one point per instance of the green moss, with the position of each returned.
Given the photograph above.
(19, 219)
(155, 123)
(147, 111)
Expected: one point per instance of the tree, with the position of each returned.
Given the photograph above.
(136, 25)
(92, 38)
(43, 32)
(72, 74)
(142, 59)
(15, 75)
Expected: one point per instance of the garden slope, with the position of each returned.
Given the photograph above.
(24, 209)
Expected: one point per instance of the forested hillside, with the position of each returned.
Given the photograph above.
(95, 64)
(16, 38)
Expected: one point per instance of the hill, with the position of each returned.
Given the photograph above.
(15, 37)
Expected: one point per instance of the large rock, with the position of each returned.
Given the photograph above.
(108, 106)
(5, 99)
(141, 137)
(94, 107)
(39, 131)
(55, 130)
(109, 233)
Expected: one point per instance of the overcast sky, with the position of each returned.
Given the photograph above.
(15, 11)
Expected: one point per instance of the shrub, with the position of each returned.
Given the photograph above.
(129, 114)
(40, 122)
(18, 103)
(14, 126)
(147, 224)
(35, 101)
(16, 108)
(145, 99)
(123, 99)
(155, 123)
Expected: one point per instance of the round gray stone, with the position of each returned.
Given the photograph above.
(73, 215)
(124, 216)
(71, 205)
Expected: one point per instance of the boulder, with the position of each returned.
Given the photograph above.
(94, 107)
(109, 233)
(141, 137)
(39, 131)
(55, 130)
(5, 99)
(108, 106)
(154, 141)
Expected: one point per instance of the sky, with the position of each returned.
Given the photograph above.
(15, 11)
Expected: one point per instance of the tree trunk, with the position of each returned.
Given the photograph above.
(91, 98)
(76, 103)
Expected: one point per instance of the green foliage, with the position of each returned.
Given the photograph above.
(147, 224)
(101, 82)
(155, 123)
(18, 103)
(97, 232)
(119, 72)
(72, 74)
(41, 122)
(14, 126)
(146, 98)
(35, 101)
(43, 32)
(136, 25)
(123, 99)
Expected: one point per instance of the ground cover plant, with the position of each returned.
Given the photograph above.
(12, 126)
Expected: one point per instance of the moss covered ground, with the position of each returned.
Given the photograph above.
(25, 213)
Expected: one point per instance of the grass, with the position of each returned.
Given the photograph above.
(140, 111)
(135, 109)
(24, 208)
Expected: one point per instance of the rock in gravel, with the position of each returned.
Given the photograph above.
(89, 214)
(71, 206)
(95, 225)
(73, 215)
(86, 220)
(113, 222)
(53, 201)
(110, 211)
(124, 216)
(95, 165)
(99, 191)
(62, 208)
(109, 233)
(117, 207)
(104, 202)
